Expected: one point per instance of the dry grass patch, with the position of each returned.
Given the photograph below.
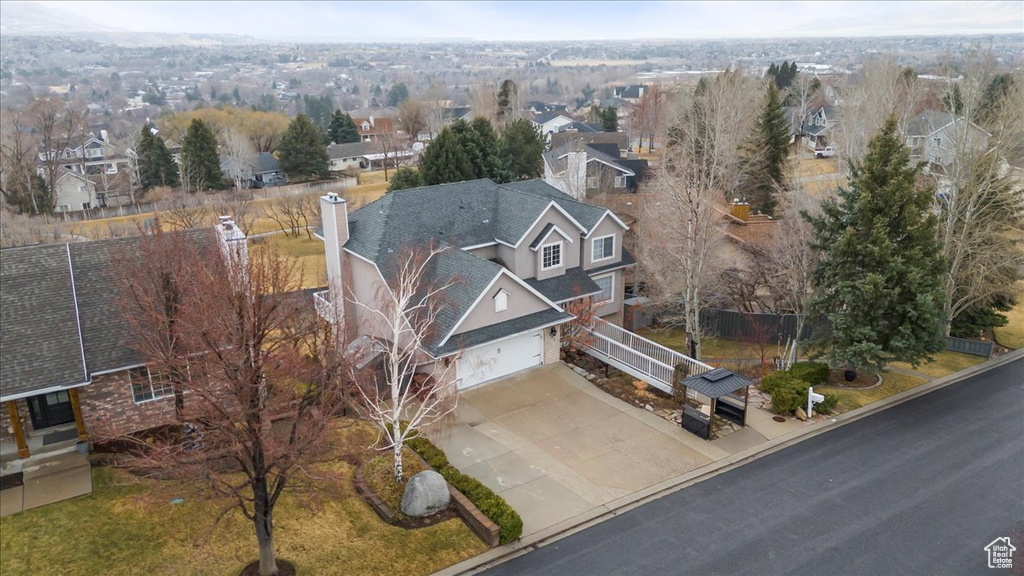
(944, 364)
(379, 473)
(892, 383)
(1012, 335)
(129, 526)
(312, 261)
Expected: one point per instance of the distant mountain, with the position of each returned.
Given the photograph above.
(33, 19)
(30, 19)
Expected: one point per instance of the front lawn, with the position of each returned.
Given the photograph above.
(130, 526)
(1012, 335)
(944, 364)
(312, 260)
(892, 383)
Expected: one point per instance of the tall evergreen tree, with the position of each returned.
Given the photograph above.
(492, 162)
(144, 157)
(342, 129)
(522, 146)
(164, 168)
(200, 158)
(879, 276)
(767, 152)
(610, 119)
(405, 178)
(397, 94)
(302, 154)
(445, 160)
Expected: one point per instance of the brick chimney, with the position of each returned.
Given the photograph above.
(740, 210)
(334, 216)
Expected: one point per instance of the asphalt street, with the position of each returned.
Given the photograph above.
(920, 488)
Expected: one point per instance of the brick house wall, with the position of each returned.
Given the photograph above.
(108, 407)
(6, 431)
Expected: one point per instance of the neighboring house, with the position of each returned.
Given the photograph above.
(262, 171)
(550, 122)
(936, 137)
(349, 156)
(582, 170)
(817, 131)
(618, 138)
(517, 253)
(538, 107)
(93, 157)
(67, 356)
(75, 193)
(632, 93)
(370, 129)
(456, 113)
(584, 127)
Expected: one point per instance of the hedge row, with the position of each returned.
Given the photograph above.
(788, 388)
(492, 505)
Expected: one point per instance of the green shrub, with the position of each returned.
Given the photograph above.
(785, 400)
(489, 503)
(426, 449)
(772, 381)
(829, 405)
(492, 505)
(814, 373)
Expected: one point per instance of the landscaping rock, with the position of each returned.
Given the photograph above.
(648, 407)
(801, 414)
(425, 494)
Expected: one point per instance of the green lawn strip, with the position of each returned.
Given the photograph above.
(129, 526)
(944, 364)
(1012, 335)
(892, 383)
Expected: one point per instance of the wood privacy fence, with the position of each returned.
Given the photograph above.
(773, 328)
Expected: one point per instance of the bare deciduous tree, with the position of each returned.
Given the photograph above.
(240, 154)
(406, 311)
(678, 224)
(185, 212)
(412, 118)
(260, 389)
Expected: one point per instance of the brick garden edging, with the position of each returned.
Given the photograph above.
(486, 530)
(370, 497)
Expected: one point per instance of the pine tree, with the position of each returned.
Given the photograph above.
(144, 157)
(764, 170)
(342, 129)
(491, 162)
(397, 94)
(610, 119)
(164, 170)
(879, 276)
(200, 158)
(445, 160)
(405, 178)
(302, 154)
(522, 146)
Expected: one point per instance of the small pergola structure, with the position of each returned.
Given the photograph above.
(719, 387)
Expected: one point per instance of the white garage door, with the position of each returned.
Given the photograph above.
(501, 358)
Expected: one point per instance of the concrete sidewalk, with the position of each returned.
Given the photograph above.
(47, 481)
(748, 448)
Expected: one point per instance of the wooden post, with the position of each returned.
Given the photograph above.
(711, 419)
(76, 407)
(19, 432)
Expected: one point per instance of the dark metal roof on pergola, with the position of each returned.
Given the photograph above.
(716, 383)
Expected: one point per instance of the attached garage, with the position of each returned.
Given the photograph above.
(500, 358)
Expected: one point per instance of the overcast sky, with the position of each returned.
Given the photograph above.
(343, 21)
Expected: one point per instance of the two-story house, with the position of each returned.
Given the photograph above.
(937, 137)
(581, 170)
(370, 128)
(517, 253)
(817, 131)
(549, 123)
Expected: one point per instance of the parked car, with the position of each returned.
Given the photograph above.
(826, 152)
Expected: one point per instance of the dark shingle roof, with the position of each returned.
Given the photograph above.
(469, 276)
(348, 150)
(508, 328)
(41, 347)
(39, 330)
(265, 162)
(716, 383)
(548, 116)
(627, 260)
(560, 139)
(575, 283)
(927, 122)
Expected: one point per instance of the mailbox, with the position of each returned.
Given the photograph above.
(812, 399)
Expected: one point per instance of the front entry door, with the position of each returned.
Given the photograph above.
(50, 409)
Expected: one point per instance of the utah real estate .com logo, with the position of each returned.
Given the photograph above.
(1000, 553)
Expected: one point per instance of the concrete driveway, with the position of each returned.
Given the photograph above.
(555, 446)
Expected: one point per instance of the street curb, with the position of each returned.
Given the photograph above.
(599, 514)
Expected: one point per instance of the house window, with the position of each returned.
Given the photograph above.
(592, 182)
(64, 208)
(602, 248)
(85, 205)
(147, 386)
(551, 256)
(501, 301)
(607, 285)
(620, 181)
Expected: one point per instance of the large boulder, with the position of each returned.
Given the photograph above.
(425, 494)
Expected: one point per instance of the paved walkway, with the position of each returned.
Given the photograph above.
(47, 481)
(556, 446)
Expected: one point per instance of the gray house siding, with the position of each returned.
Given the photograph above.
(606, 227)
(521, 302)
(528, 261)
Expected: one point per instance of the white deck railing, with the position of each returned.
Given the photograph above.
(322, 302)
(637, 355)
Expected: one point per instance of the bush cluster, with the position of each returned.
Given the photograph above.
(489, 503)
(788, 388)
